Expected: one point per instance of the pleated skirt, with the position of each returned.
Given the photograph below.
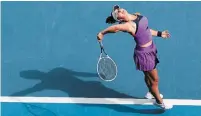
(146, 58)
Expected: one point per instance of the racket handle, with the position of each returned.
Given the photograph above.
(101, 46)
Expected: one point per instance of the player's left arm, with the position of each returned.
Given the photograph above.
(163, 34)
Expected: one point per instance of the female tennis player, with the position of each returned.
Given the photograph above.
(145, 53)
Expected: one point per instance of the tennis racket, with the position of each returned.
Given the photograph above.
(106, 67)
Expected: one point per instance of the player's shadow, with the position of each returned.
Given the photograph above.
(71, 83)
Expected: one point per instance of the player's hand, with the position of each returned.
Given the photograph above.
(100, 37)
(165, 34)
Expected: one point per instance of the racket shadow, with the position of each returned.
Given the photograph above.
(36, 110)
(73, 83)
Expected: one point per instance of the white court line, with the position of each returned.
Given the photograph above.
(77, 100)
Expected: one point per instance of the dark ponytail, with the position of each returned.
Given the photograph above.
(110, 20)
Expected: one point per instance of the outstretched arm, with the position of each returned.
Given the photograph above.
(163, 34)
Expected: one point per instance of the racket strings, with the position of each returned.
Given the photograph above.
(107, 68)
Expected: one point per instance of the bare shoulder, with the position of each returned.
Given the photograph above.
(132, 26)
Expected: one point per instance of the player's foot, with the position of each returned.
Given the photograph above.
(164, 106)
(150, 96)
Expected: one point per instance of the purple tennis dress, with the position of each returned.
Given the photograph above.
(145, 57)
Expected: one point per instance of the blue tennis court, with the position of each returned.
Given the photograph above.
(49, 53)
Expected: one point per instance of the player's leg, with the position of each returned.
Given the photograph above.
(154, 79)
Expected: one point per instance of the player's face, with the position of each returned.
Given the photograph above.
(121, 13)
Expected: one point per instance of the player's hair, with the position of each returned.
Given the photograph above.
(110, 20)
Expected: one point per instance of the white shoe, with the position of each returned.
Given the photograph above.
(150, 96)
(163, 106)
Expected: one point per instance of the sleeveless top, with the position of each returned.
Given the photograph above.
(143, 33)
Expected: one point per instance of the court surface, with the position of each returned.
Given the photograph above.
(49, 54)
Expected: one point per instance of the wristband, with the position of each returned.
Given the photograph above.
(159, 34)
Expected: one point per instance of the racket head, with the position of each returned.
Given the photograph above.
(106, 68)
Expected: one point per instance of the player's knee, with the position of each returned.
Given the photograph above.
(155, 82)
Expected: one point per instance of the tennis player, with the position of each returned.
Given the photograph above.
(145, 52)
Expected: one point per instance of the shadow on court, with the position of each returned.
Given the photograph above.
(69, 82)
(127, 109)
